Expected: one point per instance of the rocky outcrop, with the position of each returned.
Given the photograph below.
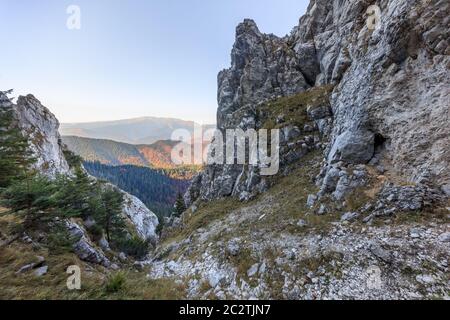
(380, 139)
(84, 248)
(141, 217)
(262, 67)
(388, 106)
(41, 127)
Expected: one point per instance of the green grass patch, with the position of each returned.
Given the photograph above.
(116, 282)
(294, 108)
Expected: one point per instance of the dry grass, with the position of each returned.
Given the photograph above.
(52, 286)
(28, 286)
(243, 262)
(290, 194)
(207, 212)
(138, 287)
(94, 280)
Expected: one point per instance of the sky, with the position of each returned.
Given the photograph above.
(129, 58)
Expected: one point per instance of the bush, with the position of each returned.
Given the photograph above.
(59, 240)
(73, 160)
(96, 232)
(134, 246)
(116, 282)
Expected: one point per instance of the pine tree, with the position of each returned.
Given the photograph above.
(76, 196)
(31, 198)
(15, 155)
(180, 206)
(74, 161)
(108, 213)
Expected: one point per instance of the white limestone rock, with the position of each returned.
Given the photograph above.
(142, 218)
(40, 126)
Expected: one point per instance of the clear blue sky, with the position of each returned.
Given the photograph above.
(131, 58)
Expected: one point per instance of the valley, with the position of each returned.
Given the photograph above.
(145, 171)
(157, 189)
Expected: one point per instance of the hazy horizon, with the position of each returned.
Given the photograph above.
(134, 119)
(129, 59)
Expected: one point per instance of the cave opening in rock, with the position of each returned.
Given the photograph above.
(380, 142)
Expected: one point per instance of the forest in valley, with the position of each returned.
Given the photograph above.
(158, 189)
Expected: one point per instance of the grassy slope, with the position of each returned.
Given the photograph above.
(294, 108)
(276, 213)
(52, 286)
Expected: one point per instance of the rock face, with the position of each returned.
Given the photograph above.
(41, 127)
(262, 67)
(390, 98)
(142, 218)
(84, 247)
(394, 94)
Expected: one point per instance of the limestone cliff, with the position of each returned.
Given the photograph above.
(360, 206)
(40, 126)
(389, 106)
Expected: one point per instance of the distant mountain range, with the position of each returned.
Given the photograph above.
(145, 130)
(156, 155)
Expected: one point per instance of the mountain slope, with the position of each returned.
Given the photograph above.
(156, 155)
(360, 206)
(275, 247)
(135, 169)
(105, 151)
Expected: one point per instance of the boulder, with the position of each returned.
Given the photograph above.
(445, 237)
(319, 112)
(350, 216)
(144, 220)
(84, 248)
(353, 147)
(253, 270)
(233, 247)
(39, 272)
